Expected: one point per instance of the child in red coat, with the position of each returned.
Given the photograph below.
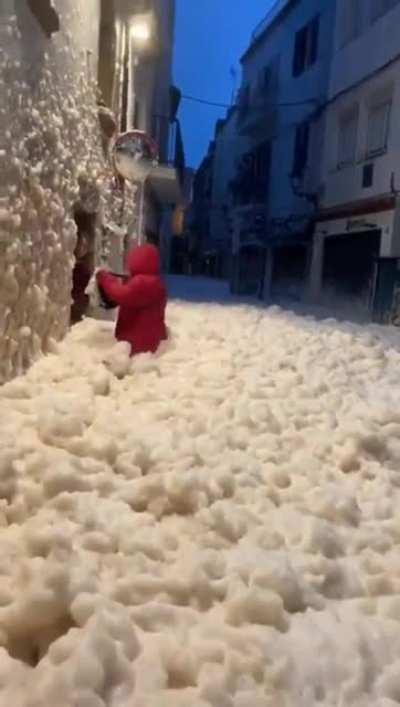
(142, 300)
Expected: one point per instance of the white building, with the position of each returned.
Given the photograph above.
(361, 173)
(285, 83)
(228, 145)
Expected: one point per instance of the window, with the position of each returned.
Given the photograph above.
(269, 77)
(265, 76)
(347, 139)
(301, 145)
(381, 7)
(368, 176)
(262, 168)
(244, 101)
(351, 20)
(46, 15)
(306, 47)
(253, 175)
(378, 128)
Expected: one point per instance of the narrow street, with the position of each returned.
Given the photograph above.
(213, 526)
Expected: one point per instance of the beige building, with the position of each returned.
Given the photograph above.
(56, 174)
(138, 87)
(357, 228)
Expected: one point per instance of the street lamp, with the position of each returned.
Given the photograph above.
(140, 30)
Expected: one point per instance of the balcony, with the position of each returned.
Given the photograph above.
(166, 180)
(259, 119)
(258, 108)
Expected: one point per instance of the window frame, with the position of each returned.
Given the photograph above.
(346, 119)
(306, 47)
(388, 104)
(301, 150)
(265, 78)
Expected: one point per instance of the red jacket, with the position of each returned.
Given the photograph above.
(142, 300)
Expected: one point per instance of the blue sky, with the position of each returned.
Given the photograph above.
(211, 35)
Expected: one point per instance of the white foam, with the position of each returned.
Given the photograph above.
(215, 525)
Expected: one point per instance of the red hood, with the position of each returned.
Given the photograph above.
(144, 260)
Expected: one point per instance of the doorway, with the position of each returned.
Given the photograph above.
(84, 263)
(290, 271)
(349, 262)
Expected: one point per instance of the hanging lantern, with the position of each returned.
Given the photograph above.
(135, 155)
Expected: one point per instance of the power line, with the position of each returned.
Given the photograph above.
(215, 104)
(205, 102)
(308, 101)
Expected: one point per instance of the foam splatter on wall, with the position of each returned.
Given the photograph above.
(53, 161)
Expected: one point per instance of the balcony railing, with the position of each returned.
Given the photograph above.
(262, 113)
(278, 6)
(259, 106)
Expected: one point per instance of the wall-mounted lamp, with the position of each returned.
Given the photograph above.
(141, 30)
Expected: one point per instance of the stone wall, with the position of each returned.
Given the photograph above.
(51, 161)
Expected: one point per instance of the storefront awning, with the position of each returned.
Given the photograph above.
(164, 182)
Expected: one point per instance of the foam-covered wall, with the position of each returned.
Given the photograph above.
(51, 160)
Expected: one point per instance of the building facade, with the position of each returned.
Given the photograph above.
(228, 147)
(357, 226)
(179, 262)
(266, 159)
(200, 238)
(285, 83)
(302, 178)
(139, 89)
(65, 72)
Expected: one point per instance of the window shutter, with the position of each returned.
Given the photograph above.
(378, 127)
(263, 164)
(300, 156)
(347, 140)
(300, 49)
(306, 47)
(267, 78)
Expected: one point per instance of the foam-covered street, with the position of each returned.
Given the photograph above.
(214, 526)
